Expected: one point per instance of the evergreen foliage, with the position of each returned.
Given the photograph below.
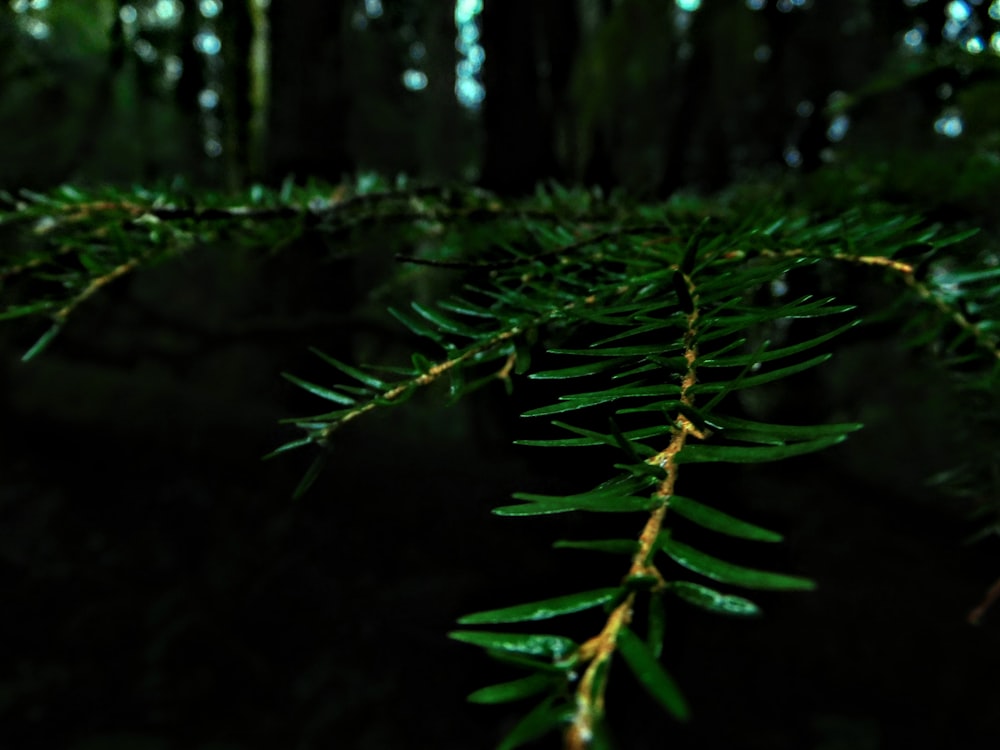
(646, 320)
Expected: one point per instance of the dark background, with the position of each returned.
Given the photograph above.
(160, 588)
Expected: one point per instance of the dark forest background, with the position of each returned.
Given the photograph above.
(160, 590)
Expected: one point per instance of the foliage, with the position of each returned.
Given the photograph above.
(651, 320)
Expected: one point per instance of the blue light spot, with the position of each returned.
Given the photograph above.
(838, 128)
(995, 42)
(144, 50)
(210, 8)
(173, 68)
(994, 10)
(756, 4)
(762, 53)
(417, 51)
(468, 89)
(974, 45)
(466, 10)
(468, 33)
(36, 28)
(168, 11)
(373, 8)
(793, 157)
(914, 38)
(949, 124)
(208, 99)
(207, 43)
(469, 92)
(128, 14)
(688, 6)
(958, 10)
(804, 108)
(414, 80)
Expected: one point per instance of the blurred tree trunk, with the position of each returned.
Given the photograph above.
(529, 48)
(237, 37)
(308, 124)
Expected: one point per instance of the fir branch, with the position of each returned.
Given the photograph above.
(598, 651)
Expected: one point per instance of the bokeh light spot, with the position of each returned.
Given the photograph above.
(949, 124)
(210, 8)
(207, 43)
(838, 128)
(414, 80)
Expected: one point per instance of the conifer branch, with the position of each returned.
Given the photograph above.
(599, 650)
(93, 286)
(910, 275)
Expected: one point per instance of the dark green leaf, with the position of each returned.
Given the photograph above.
(464, 307)
(712, 600)
(552, 646)
(698, 453)
(545, 717)
(443, 322)
(955, 238)
(716, 520)
(311, 475)
(607, 503)
(316, 390)
(691, 252)
(765, 377)
(683, 293)
(418, 327)
(970, 277)
(522, 356)
(288, 446)
(19, 312)
(677, 321)
(370, 380)
(638, 350)
(420, 363)
(542, 610)
(574, 372)
(584, 400)
(719, 570)
(643, 469)
(596, 438)
(652, 675)
(534, 664)
(512, 691)
(772, 354)
(618, 546)
(561, 443)
(43, 341)
(746, 429)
